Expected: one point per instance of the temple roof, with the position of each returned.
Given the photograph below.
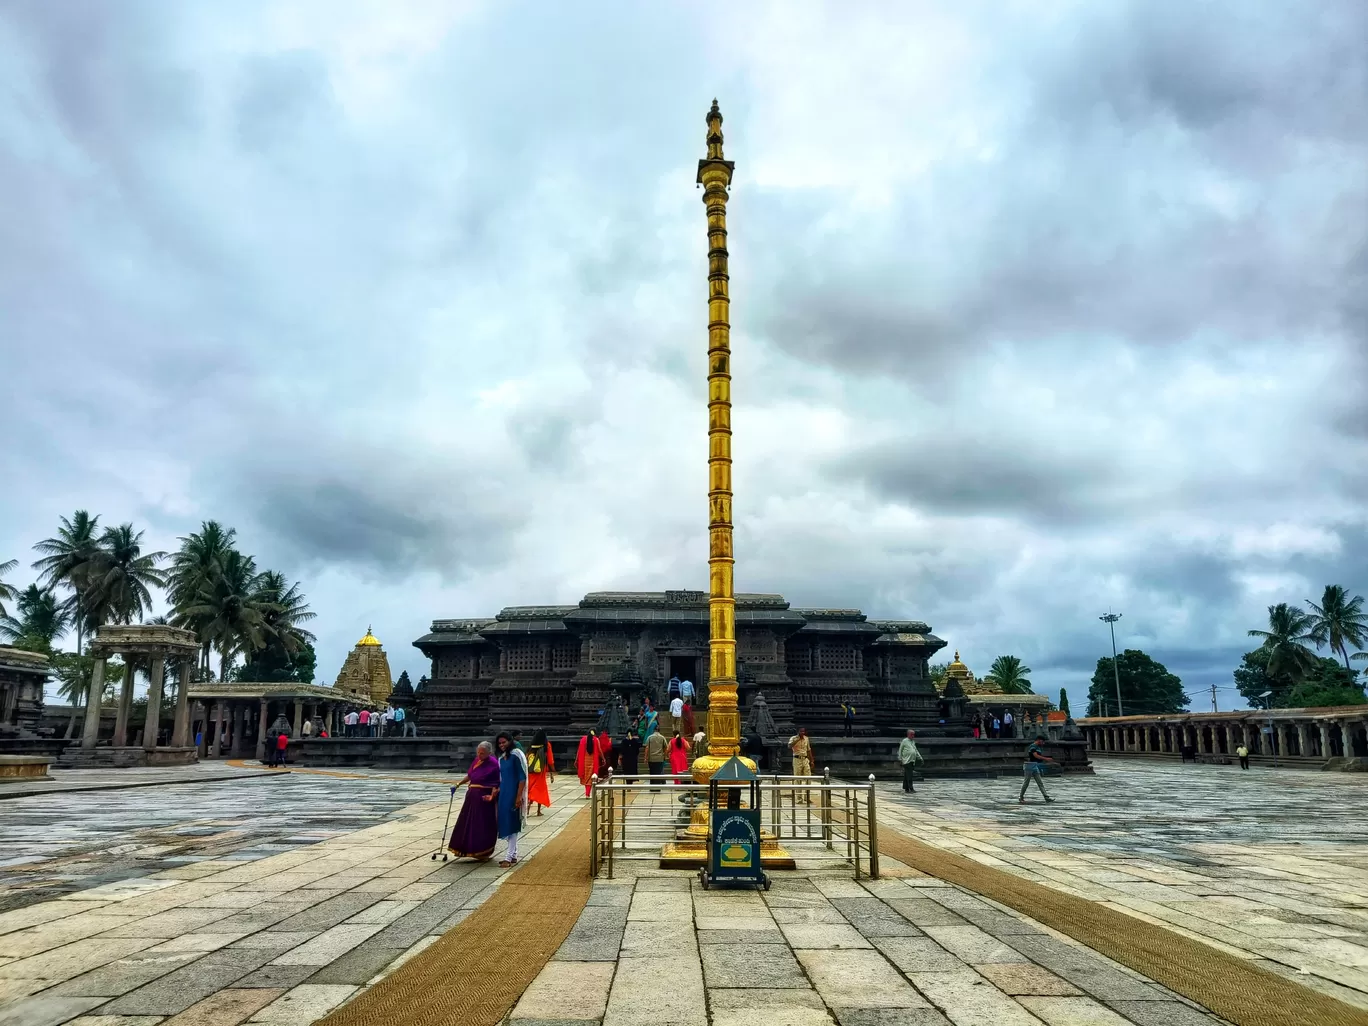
(684, 607)
(369, 640)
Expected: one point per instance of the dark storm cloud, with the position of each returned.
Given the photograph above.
(963, 472)
(1158, 183)
(389, 524)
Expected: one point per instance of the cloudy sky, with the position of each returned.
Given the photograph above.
(1039, 308)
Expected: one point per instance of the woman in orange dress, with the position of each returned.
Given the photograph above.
(587, 759)
(541, 764)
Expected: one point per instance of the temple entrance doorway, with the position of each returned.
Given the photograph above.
(685, 668)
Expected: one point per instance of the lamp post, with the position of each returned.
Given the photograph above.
(1110, 620)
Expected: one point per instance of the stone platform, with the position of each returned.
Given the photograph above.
(23, 767)
(852, 758)
(75, 757)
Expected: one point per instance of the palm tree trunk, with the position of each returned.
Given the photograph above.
(76, 704)
(1344, 652)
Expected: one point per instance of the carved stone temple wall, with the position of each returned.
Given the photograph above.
(553, 667)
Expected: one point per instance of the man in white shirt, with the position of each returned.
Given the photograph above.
(350, 721)
(677, 711)
(308, 728)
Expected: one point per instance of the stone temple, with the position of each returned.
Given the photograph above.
(366, 671)
(554, 667)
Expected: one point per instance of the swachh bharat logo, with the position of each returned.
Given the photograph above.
(737, 841)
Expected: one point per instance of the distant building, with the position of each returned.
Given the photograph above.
(366, 672)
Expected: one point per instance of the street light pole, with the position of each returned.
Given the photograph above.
(1110, 620)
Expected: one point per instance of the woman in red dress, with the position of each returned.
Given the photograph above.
(679, 755)
(541, 765)
(587, 759)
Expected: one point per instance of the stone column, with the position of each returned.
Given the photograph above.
(1324, 729)
(214, 747)
(125, 705)
(91, 732)
(298, 718)
(182, 737)
(261, 731)
(151, 727)
(237, 716)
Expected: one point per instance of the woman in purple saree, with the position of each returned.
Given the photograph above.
(477, 825)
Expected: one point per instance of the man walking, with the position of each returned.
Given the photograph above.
(1034, 769)
(801, 748)
(655, 756)
(677, 713)
(1243, 753)
(848, 715)
(909, 757)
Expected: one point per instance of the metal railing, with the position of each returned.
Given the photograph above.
(813, 818)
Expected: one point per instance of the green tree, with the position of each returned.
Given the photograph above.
(230, 610)
(283, 610)
(1146, 685)
(41, 620)
(1009, 675)
(273, 664)
(124, 575)
(1064, 702)
(195, 567)
(69, 560)
(1253, 679)
(937, 672)
(1326, 684)
(7, 591)
(1289, 630)
(73, 681)
(1338, 619)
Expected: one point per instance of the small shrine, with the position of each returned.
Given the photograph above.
(366, 672)
(987, 701)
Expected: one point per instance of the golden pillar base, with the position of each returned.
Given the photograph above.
(690, 848)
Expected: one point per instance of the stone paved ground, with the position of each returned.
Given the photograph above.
(292, 896)
(1271, 865)
(820, 949)
(273, 901)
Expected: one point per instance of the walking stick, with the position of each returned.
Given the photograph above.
(441, 846)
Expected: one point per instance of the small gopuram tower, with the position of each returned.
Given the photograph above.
(365, 675)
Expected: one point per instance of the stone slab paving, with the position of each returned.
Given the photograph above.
(59, 780)
(217, 903)
(1269, 865)
(820, 949)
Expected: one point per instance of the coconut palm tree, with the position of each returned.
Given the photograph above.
(7, 591)
(42, 619)
(230, 609)
(283, 610)
(1289, 630)
(1009, 675)
(123, 574)
(69, 560)
(194, 568)
(1338, 619)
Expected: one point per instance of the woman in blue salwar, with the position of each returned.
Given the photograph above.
(512, 797)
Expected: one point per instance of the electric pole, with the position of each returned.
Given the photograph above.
(1110, 620)
(1213, 699)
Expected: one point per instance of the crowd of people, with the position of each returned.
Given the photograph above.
(392, 721)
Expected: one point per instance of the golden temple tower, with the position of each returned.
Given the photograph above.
(724, 722)
(366, 672)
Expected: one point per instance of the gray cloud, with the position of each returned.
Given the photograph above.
(417, 301)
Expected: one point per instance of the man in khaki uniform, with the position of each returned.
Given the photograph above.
(801, 748)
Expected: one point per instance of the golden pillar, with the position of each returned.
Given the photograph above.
(724, 721)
